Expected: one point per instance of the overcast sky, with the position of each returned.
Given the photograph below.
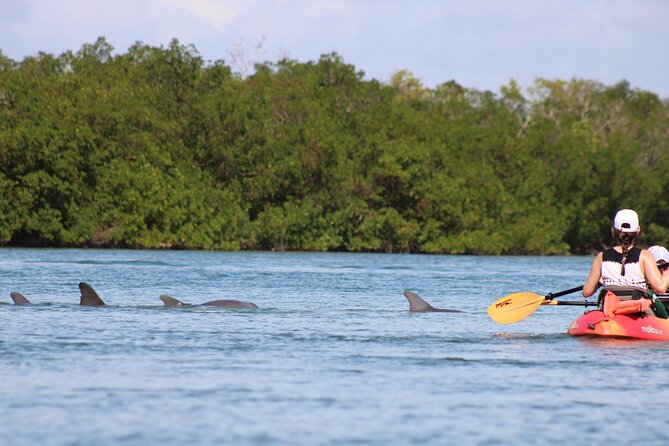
(478, 43)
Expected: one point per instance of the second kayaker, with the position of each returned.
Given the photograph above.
(661, 256)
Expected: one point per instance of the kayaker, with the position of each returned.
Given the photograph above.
(625, 270)
(661, 256)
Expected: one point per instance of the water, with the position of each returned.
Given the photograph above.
(332, 357)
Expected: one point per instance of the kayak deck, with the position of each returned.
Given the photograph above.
(636, 326)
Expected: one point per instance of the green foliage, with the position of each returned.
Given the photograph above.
(157, 148)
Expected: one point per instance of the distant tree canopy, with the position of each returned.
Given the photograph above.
(157, 148)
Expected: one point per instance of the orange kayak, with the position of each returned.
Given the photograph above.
(636, 326)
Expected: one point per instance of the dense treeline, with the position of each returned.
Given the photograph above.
(158, 148)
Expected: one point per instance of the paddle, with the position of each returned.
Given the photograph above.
(516, 307)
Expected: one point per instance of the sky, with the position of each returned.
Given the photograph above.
(480, 44)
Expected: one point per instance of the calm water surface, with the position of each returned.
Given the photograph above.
(332, 357)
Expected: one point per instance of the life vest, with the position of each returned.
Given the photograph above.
(612, 266)
(625, 302)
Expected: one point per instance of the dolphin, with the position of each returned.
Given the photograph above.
(89, 298)
(18, 298)
(418, 305)
(171, 302)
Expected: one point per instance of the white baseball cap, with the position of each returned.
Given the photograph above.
(626, 221)
(660, 253)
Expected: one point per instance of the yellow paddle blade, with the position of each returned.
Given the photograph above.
(514, 307)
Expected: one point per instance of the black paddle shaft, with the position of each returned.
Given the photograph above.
(580, 303)
(551, 296)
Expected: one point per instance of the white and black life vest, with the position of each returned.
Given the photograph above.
(612, 271)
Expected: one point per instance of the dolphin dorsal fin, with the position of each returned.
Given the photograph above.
(171, 302)
(18, 298)
(89, 298)
(416, 303)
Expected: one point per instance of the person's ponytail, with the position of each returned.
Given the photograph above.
(626, 239)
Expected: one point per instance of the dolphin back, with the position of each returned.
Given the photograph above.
(18, 298)
(89, 298)
(171, 302)
(230, 303)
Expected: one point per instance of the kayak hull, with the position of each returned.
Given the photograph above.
(635, 326)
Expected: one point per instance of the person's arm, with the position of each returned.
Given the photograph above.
(657, 281)
(592, 282)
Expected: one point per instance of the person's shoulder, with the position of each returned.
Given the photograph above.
(645, 254)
